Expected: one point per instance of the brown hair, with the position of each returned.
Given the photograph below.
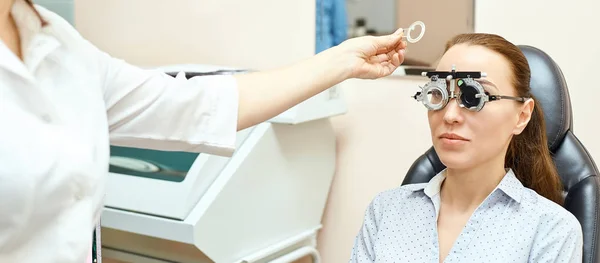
(44, 23)
(528, 154)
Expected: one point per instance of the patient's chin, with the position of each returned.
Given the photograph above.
(455, 160)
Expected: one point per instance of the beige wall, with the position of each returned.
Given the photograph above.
(246, 34)
(568, 32)
(438, 27)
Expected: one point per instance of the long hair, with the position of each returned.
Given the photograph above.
(528, 154)
(30, 3)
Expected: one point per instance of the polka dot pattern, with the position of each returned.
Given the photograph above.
(513, 224)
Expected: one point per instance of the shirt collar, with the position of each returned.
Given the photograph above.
(27, 21)
(509, 185)
(36, 42)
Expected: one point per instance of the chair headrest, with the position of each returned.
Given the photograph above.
(549, 87)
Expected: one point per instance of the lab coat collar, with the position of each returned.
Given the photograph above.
(36, 42)
(510, 185)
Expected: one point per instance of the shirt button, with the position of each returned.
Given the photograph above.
(46, 118)
(78, 193)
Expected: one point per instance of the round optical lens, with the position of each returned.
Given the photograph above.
(468, 95)
(434, 97)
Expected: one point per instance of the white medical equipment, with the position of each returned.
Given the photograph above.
(263, 204)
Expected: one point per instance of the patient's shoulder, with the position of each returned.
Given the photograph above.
(542, 205)
(411, 188)
(400, 194)
(551, 216)
(404, 190)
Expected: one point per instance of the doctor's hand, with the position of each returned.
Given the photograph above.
(264, 95)
(372, 57)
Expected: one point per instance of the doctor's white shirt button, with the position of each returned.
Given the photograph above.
(46, 118)
(79, 191)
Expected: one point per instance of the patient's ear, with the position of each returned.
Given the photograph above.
(524, 116)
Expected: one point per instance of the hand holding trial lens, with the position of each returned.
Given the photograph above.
(408, 31)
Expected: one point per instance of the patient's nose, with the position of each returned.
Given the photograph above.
(453, 112)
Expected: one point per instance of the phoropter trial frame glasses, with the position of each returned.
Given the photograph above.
(435, 95)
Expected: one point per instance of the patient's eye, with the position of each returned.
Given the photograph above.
(434, 96)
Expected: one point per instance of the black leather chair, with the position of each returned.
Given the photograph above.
(576, 167)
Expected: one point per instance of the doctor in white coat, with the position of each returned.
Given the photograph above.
(63, 102)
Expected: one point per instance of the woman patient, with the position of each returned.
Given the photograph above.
(499, 199)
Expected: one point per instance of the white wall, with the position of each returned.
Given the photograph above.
(568, 33)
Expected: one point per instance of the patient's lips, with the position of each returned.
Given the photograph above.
(453, 139)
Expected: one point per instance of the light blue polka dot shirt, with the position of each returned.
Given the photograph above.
(513, 224)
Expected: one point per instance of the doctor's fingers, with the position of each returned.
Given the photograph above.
(394, 61)
(388, 43)
(396, 44)
(389, 51)
(392, 56)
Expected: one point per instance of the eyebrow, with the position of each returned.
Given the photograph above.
(487, 82)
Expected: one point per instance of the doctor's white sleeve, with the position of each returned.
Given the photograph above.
(147, 108)
(364, 243)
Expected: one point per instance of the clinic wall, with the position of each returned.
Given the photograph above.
(257, 34)
(567, 32)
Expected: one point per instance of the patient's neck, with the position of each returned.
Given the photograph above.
(465, 189)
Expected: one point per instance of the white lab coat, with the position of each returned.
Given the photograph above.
(60, 110)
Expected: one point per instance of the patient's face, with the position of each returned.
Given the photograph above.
(487, 132)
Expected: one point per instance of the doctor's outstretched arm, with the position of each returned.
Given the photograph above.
(149, 109)
(202, 114)
(262, 95)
